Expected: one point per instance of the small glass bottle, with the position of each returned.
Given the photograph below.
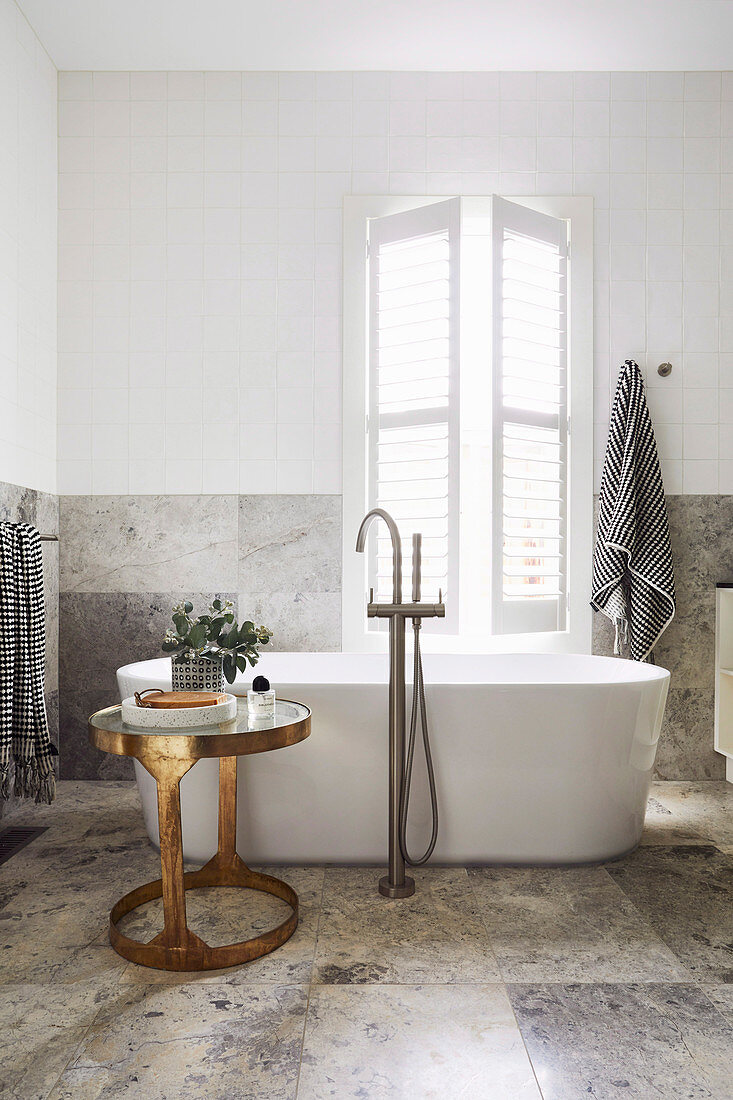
(261, 699)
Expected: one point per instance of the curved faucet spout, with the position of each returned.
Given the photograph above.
(396, 547)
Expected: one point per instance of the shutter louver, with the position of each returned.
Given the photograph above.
(530, 420)
(413, 399)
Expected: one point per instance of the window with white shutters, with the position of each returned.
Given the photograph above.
(413, 335)
(468, 337)
(530, 480)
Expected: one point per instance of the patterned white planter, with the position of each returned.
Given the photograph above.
(200, 674)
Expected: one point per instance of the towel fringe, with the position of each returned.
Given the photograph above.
(46, 789)
(31, 781)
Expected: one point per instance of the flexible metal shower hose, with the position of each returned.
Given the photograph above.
(418, 706)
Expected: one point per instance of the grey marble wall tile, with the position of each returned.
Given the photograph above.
(290, 541)
(290, 568)
(103, 630)
(80, 760)
(148, 543)
(635, 1041)
(300, 621)
(100, 631)
(701, 530)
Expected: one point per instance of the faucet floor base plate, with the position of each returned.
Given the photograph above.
(391, 890)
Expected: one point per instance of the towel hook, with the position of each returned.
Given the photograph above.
(665, 369)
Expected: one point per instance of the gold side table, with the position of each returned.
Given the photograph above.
(168, 756)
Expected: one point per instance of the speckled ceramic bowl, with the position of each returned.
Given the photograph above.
(180, 718)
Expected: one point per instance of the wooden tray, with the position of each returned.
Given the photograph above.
(174, 700)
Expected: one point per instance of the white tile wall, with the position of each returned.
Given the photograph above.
(28, 210)
(200, 254)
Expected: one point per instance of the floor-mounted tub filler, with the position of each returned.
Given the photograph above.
(540, 758)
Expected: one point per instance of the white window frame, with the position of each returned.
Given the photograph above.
(578, 210)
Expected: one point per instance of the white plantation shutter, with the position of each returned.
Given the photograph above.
(530, 386)
(413, 406)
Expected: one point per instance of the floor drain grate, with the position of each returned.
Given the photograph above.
(16, 837)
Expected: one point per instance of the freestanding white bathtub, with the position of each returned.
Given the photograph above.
(539, 759)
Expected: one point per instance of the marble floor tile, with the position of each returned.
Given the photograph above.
(568, 924)
(412, 1041)
(637, 1041)
(46, 963)
(192, 1041)
(662, 826)
(41, 1028)
(722, 997)
(434, 936)
(705, 808)
(686, 895)
(54, 917)
(224, 915)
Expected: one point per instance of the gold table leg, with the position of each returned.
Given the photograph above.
(177, 947)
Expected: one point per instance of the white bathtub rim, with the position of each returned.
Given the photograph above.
(156, 671)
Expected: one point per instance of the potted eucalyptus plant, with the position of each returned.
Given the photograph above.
(207, 649)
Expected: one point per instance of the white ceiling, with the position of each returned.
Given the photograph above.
(385, 34)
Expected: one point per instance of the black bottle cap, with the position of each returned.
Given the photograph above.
(260, 683)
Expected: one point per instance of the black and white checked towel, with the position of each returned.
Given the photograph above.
(24, 736)
(633, 578)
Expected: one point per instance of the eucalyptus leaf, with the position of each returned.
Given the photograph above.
(197, 635)
(181, 624)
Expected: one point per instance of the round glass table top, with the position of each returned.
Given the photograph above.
(236, 737)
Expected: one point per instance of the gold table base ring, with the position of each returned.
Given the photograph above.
(181, 949)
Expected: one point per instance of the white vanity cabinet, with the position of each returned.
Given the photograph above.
(724, 675)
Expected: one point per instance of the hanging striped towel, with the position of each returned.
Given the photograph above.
(633, 579)
(24, 736)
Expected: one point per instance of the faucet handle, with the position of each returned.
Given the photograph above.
(416, 566)
(440, 595)
(371, 595)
